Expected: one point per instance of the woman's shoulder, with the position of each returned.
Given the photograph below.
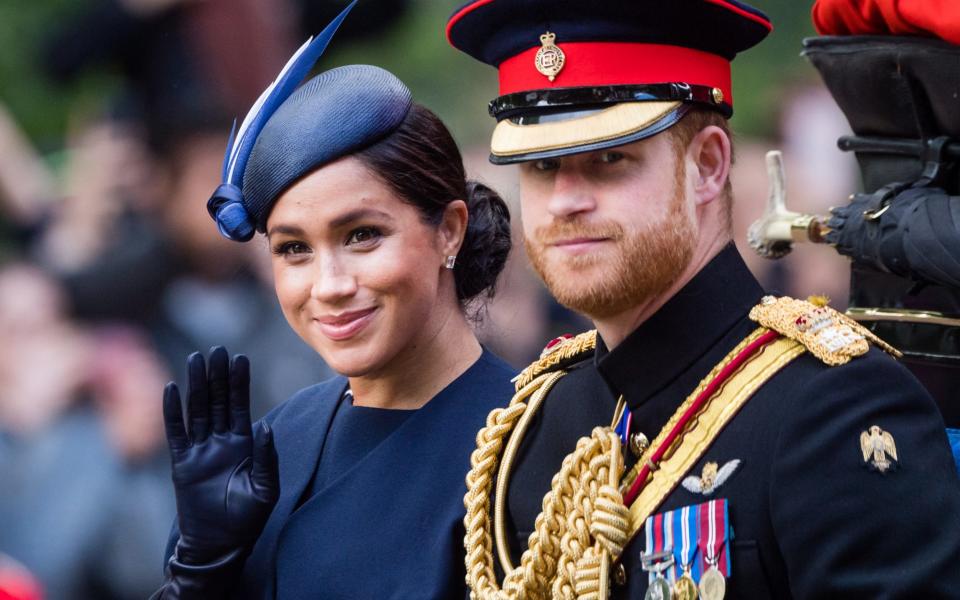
(489, 382)
(317, 397)
(496, 365)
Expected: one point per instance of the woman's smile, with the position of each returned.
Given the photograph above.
(343, 326)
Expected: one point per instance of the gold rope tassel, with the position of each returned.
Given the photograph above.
(582, 527)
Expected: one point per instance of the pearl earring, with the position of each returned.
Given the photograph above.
(451, 261)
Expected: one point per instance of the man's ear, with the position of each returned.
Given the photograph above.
(710, 154)
(452, 227)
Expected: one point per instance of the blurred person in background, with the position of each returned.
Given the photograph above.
(189, 61)
(85, 480)
(128, 240)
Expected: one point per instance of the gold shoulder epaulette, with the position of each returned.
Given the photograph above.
(561, 355)
(831, 336)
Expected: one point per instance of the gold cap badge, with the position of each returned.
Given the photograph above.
(550, 58)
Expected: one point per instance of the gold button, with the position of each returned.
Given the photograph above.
(638, 444)
(717, 94)
(620, 575)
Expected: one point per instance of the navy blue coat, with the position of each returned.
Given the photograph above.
(391, 526)
(811, 518)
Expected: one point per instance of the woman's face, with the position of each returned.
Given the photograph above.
(358, 273)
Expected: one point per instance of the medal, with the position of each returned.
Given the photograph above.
(659, 560)
(713, 585)
(659, 589)
(655, 563)
(685, 588)
(685, 520)
(687, 552)
(713, 540)
(658, 557)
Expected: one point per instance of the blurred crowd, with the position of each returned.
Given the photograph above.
(112, 272)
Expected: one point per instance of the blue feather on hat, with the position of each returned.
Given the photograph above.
(226, 205)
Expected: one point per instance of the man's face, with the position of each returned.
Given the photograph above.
(611, 229)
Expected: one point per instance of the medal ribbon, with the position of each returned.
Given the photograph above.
(697, 536)
(677, 532)
(648, 548)
(659, 537)
(714, 539)
(623, 428)
(686, 520)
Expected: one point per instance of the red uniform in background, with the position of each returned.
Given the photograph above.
(16, 583)
(930, 18)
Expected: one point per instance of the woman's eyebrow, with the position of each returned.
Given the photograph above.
(340, 221)
(284, 229)
(358, 214)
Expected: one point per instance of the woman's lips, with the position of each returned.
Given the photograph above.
(345, 325)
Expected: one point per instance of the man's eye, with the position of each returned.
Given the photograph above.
(611, 157)
(290, 248)
(363, 235)
(547, 164)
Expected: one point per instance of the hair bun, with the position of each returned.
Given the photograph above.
(486, 244)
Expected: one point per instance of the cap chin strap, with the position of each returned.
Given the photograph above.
(579, 98)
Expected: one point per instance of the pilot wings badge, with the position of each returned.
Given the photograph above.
(712, 477)
(876, 445)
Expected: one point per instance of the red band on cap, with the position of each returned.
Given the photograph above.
(589, 64)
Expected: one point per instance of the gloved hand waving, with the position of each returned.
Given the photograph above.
(225, 476)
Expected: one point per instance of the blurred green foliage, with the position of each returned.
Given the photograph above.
(763, 75)
(456, 87)
(40, 106)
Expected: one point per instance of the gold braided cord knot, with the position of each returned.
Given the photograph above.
(583, 524)
(611, 520)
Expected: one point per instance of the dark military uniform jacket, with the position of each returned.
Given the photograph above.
(811, 517)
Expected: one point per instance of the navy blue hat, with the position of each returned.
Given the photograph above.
(334, 114)
(578, 76)
(291, 132)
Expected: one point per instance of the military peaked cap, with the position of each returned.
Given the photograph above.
(578, 76)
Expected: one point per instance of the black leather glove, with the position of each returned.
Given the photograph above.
(225, 477)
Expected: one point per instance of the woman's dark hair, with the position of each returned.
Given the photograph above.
(421, 163)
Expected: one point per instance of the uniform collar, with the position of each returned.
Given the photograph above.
(684, 328)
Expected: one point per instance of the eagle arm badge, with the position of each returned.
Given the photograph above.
(877, 445)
